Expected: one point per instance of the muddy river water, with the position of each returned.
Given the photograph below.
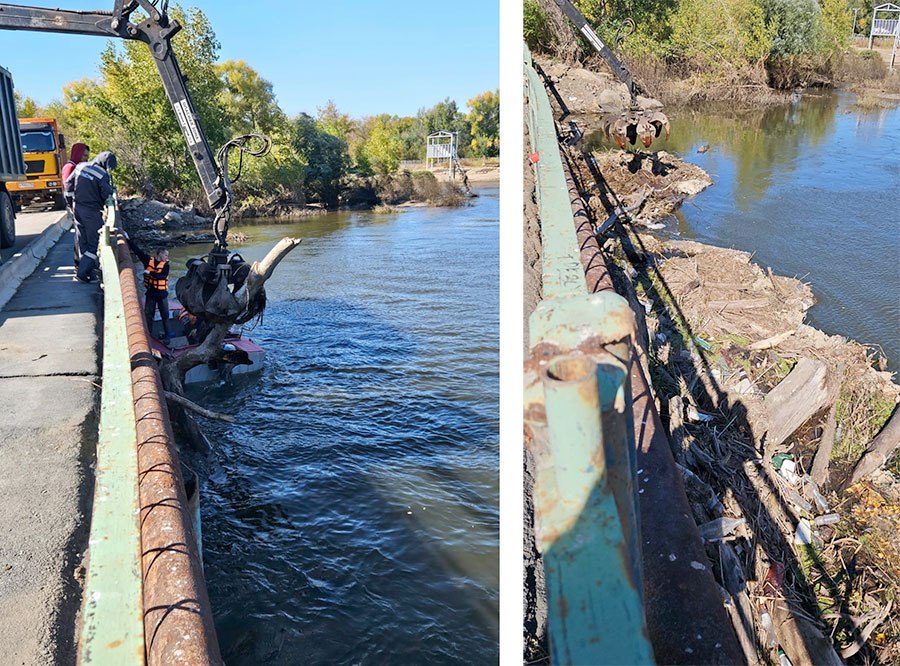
(350, 516)
(813, 189)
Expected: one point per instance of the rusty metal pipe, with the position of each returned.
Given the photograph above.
(178, 624)
(686, 620)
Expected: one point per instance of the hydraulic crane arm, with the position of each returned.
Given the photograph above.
(636, 124)
(156, 31)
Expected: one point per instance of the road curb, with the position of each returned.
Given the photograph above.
(22, 264)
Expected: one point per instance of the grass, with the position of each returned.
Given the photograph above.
(868, 103)
(861, 413)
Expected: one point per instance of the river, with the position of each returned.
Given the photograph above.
(350, 515)
(812, 188)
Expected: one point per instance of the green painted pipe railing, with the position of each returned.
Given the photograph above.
(579, 417)
(113, 626)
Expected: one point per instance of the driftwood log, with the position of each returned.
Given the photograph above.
(879, 450)
(797, 397)
(173, 371)
(819, 472)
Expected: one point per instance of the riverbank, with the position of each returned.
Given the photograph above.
(590, 88)
(156, 223)
(722, 336)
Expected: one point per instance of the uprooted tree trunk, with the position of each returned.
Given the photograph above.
(879, 450)
(173, 370)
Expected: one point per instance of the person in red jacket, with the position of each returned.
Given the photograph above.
(79, 153)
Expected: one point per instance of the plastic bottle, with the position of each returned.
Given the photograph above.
(719, 528)
(827, 519)
(782, 657)
(796, 498)
(813, 489)
(768, 627)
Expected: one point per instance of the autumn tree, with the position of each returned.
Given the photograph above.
(484, 124)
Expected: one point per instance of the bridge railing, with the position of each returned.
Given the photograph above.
(578, 419)
(145, 599)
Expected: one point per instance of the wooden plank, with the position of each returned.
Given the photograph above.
(799, 395)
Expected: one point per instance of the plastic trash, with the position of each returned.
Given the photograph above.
(774, 579)
(718, 529)
(782, 658)
(813, 490)
(714, 506)
(788, 472)
(228, 347)
(768, 626)
(796, 498)
(828, 519)
(805, 536)
(778, 460)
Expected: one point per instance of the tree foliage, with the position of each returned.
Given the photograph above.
(723, 33)
(484, 124)
(126, 110)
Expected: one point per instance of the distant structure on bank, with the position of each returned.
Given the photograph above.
(442, 148)
(886, 26)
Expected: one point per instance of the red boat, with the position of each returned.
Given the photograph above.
(209, 372)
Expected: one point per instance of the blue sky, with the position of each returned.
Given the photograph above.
(370, 57)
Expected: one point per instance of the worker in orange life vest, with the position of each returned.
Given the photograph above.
(156, 280)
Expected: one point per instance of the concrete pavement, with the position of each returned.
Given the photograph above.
(49, 366)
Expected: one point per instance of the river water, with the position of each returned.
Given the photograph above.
(813, 189)
(350, 516)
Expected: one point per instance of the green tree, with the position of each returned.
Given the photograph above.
(247, 99)
(731, 33)
(484, 123)
(537, 30)
(382, 149)
(148, 139)
(26, 107)
(798, 26)
(324, 155)
(837, 22)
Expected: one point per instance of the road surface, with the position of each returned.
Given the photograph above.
(49, 368)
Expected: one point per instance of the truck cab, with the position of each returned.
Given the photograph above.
(45, 154)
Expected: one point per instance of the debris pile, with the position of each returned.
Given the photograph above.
(153, 223)
(649, 186)
(767, 418)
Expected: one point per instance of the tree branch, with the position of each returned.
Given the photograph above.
(193, 406)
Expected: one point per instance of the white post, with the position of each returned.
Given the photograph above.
(896, 37)
(872, 29)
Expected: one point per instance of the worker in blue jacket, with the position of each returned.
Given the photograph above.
(93, 186)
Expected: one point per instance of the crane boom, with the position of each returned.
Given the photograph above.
(156, 31)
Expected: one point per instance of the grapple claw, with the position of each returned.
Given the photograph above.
(658, 120)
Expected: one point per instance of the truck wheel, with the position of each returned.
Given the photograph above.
(7, 222)
(59, 201)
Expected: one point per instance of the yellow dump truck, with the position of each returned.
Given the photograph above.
(12, 167)
(45, 154)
